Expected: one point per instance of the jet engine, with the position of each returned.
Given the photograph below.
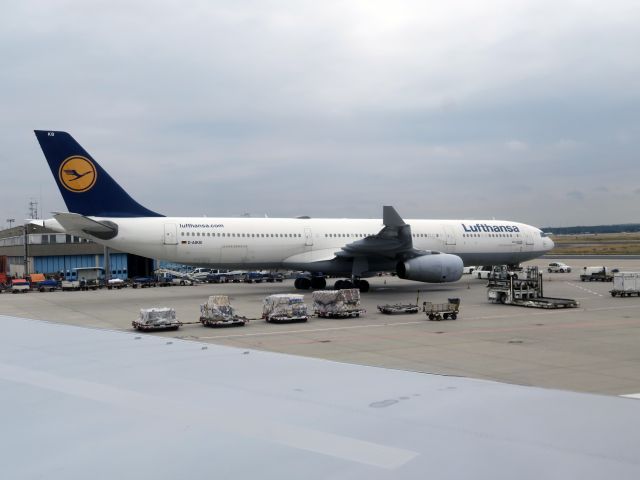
(432, 268)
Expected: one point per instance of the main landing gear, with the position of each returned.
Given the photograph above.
(361, 285)
(305, 283)
(318, 283)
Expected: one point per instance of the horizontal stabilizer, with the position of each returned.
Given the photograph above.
(74, 222)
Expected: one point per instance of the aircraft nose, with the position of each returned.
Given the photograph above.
(549, 244)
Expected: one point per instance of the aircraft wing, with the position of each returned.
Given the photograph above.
(82, 402)
(393, 242)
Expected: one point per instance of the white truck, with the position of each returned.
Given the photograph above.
(483, 272)
(625, 284)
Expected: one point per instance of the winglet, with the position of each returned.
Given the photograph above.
(390, 217)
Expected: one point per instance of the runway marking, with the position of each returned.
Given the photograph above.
(584, 289)
(605, 322)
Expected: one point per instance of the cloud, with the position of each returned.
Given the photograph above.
(576, 195)
(516, 145)
(330, 108)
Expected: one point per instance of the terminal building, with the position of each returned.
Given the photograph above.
(34, 249)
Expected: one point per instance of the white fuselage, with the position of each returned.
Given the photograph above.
(301, 243)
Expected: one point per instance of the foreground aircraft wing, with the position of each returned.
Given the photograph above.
(82, 402)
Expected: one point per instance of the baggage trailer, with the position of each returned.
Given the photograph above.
(284, 308)
(626, 284)
(524, 289)
(398, 308)
(442, 311)
(157, 318)
(218, 312)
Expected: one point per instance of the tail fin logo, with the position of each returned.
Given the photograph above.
(77, 174)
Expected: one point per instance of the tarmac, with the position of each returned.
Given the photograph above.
(593, 348)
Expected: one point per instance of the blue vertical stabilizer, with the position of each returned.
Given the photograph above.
(87, 189)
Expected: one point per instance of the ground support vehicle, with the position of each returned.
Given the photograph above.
(284, 308)
(343, 303)
(397, 308)
(166, 277)
(217, 278)
(158, 318)
(558, 267)
(20, 285)
(524, 290)
(218, 312)
(68, 285)
(49, 285)
(273, 277)
(142, 282)
(626, 284)
(483, 272)
(116, 283)
(596, 274)
(442, 311)
(251, 277)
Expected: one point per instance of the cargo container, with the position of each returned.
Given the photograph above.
(625, 284)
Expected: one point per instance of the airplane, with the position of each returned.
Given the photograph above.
(433, 251)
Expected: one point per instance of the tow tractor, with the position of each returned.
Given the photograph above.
(523, 288)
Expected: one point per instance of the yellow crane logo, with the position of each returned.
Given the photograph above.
(77, 174)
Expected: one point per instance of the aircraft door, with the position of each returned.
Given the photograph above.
(528, 241)
(170, 234)
(449, 238)
(308, 237)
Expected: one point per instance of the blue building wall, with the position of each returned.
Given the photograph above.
(67, 264)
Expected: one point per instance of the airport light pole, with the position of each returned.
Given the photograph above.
(10, 221)
(26, 250)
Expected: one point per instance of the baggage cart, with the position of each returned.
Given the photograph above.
(281, 308)
(343, 303)
(442, 311)
(397, 308)
(156, 318)
(625, 284)
(218, 312)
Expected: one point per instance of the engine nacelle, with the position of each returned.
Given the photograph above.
(432, 268)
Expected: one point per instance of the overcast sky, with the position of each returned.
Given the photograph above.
(522, 110)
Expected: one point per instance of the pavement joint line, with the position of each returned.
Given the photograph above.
(489, 330)
(584, 288)
(328, 329)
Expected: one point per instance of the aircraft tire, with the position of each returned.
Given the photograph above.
(363, 286)
(318, 283)
(302, 283)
